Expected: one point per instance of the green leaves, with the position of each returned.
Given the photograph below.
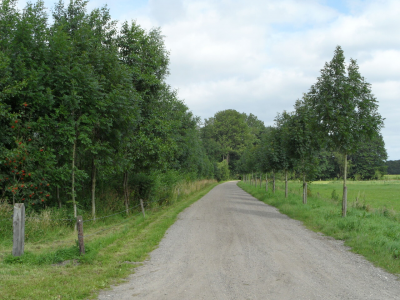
(345, 111)
(90, 90)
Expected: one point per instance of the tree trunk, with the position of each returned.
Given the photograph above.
(273, 182)
(304, 189)
(286, 185)
(58, 197)
(344, 201)
(266, 182)
(73, 179)
(126, 192)
(93, 191)
(260, 180)
(13, 194)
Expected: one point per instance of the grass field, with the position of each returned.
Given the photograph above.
(52, 268)
(369, 229)
(377, 194)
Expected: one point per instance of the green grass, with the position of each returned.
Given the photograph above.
(391, 177)
(376, 194)
(111, 256)
(374, 233)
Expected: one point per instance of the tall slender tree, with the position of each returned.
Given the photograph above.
(345, 110)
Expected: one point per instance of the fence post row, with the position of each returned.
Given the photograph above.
(18, 229)
(141, 204)
(79, 225)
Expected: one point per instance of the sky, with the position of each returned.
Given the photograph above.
(260, 56)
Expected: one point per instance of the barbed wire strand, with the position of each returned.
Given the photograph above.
(115, 225)
(122, 211)
(94, 233)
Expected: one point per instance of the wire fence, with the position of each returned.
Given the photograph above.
(115, 225)
(58, 243)
(88, 220)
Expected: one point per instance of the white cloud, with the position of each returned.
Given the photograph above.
(260, 56)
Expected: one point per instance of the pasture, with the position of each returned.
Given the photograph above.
(376, 194)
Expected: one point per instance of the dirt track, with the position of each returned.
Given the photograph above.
(229, 245)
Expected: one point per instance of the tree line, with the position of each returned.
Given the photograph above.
(393, 167)
(84, 102)
(334, 131)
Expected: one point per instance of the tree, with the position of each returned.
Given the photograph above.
(226, 134)
(282, 144)
(369, 162)
(271, 150)
(393, 167)
(345, 111)
(303, 148)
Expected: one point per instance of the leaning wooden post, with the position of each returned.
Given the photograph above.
(18, 229)
(79, 226)
(141, 204)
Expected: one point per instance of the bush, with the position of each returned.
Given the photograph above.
(222, 171)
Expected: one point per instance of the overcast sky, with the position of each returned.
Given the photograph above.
(260, 56)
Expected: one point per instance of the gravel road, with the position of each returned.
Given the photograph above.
(229, 245)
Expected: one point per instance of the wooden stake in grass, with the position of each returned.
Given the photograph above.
(305, 193)
(273, 183)
(18, 229)
(79, 225)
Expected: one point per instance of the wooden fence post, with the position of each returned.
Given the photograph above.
(79, 225)
(141, 204)
(18, 229)
(305, 193)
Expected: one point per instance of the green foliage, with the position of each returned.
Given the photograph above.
(393, 167)
(345, 111)
(92, 107)
(222, 172)
(228, 134)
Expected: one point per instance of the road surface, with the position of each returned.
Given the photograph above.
(229, 245)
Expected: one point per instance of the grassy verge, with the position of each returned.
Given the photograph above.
(374, 234)
(376, 194)
(112, 254)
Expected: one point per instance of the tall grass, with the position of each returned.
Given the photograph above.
(53, 227)
(373, 233)
(55, 270)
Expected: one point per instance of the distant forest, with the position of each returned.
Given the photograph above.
(393, 167)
